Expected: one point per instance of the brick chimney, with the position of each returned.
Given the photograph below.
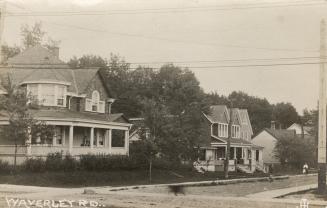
(273, 125)
(110, 101)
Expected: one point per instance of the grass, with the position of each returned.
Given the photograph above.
(111, 178)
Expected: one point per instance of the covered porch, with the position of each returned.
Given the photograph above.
(244, 158)
(74, 138)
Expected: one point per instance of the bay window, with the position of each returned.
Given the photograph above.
(47, 94)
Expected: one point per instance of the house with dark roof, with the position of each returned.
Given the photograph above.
(267, 138)
(244, 155)
(77, 102)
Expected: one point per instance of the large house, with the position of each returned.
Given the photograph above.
(77, 102)
(244, 155)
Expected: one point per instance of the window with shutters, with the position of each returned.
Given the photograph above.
(95, 104)
(95, 101)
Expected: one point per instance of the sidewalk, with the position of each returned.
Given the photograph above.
(281, 192)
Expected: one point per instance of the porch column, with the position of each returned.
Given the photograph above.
(91, 137)
(63, 135)
(54, 138)
(234, 153)
(109, 139)
(71, 136)
(127, 141)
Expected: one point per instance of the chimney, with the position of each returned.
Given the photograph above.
(110, 102)
(55, 51)
(273, 125)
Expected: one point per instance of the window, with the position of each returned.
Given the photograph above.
(32, 92)
(61, 95)
(95, 101)
(235, 131)
(47, 94)
(223, 130)
(95, 104)
(214, 129)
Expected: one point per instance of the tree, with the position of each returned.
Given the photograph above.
(260, 110)
(32, 35)
(87, 61)
(9, 51)
(16, 106)
(295, 151)
(285, 114)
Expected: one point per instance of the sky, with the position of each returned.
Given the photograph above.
(230, 45)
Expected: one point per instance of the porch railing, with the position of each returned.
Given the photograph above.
(10, 149)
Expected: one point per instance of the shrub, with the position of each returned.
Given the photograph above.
(106, 162)
(34, 165)
(54, 161)
(69, 164)
(4, 167)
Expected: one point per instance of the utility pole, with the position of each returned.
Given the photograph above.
(322, 112)
(226, 165)
(2, 24)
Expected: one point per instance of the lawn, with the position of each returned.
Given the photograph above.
(110, 178)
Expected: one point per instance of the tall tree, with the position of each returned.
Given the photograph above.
(285, 114)
(32, 35)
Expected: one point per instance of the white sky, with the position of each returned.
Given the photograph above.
(194, 35)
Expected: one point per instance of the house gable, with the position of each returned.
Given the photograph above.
(268, 142)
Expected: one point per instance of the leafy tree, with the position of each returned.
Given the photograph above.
(87, 61)
(295, 151)
(285, 114)
(16, 107)
(32, 35)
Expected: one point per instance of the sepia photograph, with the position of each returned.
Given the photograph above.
(163, 103)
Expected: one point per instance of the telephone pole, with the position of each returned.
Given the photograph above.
(226, 165)
(2, 24)
(322, 112)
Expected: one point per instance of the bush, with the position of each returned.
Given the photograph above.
(106, 162)
(34, 165)
(69, 164)
(5, 167)
(54, 161)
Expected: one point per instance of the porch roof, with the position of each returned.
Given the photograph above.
(232, 141)
(67, 115)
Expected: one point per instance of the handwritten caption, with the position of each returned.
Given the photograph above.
(64, 203)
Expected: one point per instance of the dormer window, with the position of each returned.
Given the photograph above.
(95, 101)
(95, 104)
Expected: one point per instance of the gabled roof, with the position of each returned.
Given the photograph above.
(281, 133)
(37, 55)
(218, 114)
(29, 66)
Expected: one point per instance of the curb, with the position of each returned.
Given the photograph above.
(204, 183)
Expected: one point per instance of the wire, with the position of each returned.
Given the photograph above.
(231, 60)
(181, 41)
(165, 10)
